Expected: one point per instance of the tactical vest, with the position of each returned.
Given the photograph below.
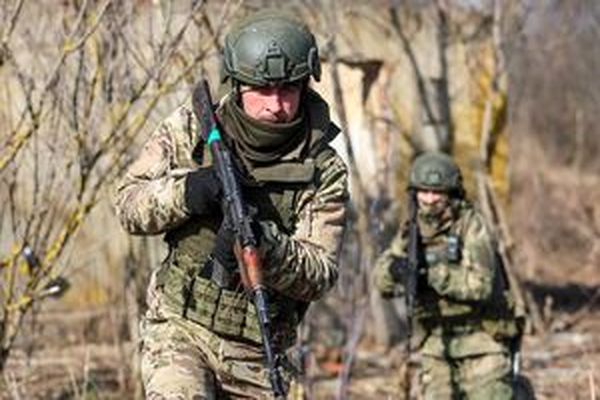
(496, 316)
(225, 308)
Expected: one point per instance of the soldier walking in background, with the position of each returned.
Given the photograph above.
(463, 321)
(200, 336)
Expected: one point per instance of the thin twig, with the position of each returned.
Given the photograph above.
(12, 23)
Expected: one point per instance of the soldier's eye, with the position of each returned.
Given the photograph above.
(289, 88)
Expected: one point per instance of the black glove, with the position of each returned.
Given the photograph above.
(202, 191)
(398, 269)
(223, 250)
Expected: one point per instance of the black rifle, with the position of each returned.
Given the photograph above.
(411, 278)
(236, 213)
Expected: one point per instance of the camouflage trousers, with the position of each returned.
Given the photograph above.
(476, 377)
(466, 363)
(183, 360)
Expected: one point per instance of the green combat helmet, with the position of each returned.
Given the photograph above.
(269, 48)
(436, 171)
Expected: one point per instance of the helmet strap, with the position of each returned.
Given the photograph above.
(237, 91)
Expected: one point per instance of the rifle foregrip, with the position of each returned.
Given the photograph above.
(251, 269)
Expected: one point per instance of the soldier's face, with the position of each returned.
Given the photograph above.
(432, 202)
(277, 104)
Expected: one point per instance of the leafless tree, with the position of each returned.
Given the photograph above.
(81, 80)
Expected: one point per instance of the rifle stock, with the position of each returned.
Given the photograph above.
(234, 209)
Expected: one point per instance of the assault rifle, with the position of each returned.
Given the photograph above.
(411, 277)
(236, 213)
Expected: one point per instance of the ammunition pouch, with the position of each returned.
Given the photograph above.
(227, 311)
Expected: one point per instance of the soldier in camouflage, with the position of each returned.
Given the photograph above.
(464, 324)
(200, 337)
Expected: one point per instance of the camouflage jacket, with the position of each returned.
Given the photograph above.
(455, 294)
(150, 200)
